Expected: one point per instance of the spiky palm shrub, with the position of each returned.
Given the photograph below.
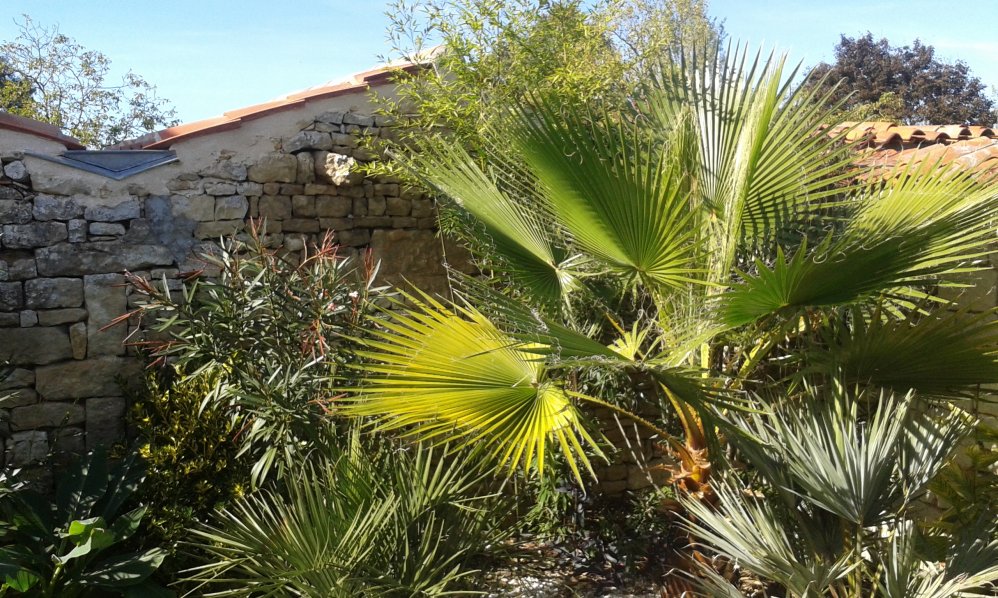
(827, 506)
(370, 522)
(713, 229)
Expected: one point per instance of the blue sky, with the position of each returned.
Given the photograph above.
(209, 56)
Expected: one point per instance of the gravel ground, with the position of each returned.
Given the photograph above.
(507, 584)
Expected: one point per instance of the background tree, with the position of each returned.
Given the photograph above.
(907, 84)
(15, 92)
(494, 53)
(68, 87)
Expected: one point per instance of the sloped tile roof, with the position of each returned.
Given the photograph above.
(885, 146)
(37, 128)
(233, 119)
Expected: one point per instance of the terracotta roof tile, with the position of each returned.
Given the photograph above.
(232, 119)
(889, 148)
(37, 128)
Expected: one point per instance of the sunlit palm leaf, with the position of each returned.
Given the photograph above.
(761, 162)
(517, 231)
(450, 373)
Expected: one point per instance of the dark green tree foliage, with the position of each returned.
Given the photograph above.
(904, 83)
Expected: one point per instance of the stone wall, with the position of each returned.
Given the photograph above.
(67, 236)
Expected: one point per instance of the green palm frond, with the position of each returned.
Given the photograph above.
(511, 217)
(437, 372)
(945, 353)
(367, 521)
(916, 230)
(620, 195)
(539, 333)
(761, 162)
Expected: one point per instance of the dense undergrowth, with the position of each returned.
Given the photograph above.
(692, 254)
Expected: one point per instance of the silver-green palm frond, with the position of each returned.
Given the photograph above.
(752, 531)
(837, 470)
(970, 571)
(436, 372)
(861, 467)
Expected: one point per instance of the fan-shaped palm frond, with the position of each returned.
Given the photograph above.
(384, 521)
(761, 162)
(913, 230)
(904, 573)
(750, 530)
(620, 195)
(846, 462)
(438, 372)
(511, 217)
(944, 354)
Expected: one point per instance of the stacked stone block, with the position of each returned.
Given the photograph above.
(60, 282)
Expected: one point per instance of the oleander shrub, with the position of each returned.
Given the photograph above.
(268, 337)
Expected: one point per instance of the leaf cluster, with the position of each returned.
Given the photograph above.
(830, 511)
(190, 453)
(269, 333)
(481, 56)
(747, 256)
(76, 543)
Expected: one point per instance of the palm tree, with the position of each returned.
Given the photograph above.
(721, 216)
(709, 244)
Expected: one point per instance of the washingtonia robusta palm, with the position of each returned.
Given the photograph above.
(712, 199)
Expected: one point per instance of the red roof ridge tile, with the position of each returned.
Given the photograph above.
(232, 119)
(23, 124)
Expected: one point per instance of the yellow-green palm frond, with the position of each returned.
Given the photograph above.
(446, 373)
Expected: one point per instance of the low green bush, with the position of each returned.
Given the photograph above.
(77, 543)
(190, 452)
